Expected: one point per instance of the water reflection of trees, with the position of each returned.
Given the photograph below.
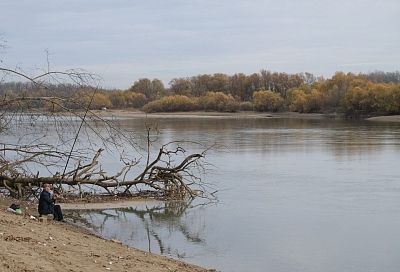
(159, 222)
(276, 135)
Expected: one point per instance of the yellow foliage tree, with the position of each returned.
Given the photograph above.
(171, 103)
(100, 99)
(134, 100)
(297, 100)
(267, 101)
(217, 101)
(372, 98)
(302, 101)
(393, 100)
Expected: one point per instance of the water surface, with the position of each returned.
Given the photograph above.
(295, 195)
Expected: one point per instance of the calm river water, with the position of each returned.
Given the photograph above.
(294, 195)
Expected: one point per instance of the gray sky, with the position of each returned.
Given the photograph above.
(123, 41)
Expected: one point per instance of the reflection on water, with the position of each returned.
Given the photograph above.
(295, 195)
(342, 137)
(155, 227)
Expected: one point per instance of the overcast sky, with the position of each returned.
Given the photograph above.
(123, 41)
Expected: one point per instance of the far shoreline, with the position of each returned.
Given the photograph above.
(385, 118)
(135, 114)
(123, 114)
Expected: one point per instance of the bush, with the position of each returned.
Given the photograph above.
(301, 101)
(315, 101)
(217, 101)
(245, 106)
(393, 100)
(171, 103)
(99, 100)
(267, 101)
(297, 101)
(373, 98)
(135, 100)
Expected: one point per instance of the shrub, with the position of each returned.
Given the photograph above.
(217, 101)
(171, 103)
(267, 101)
(127, 99)
(245, 106)
(135, 100)
(297, 100)
(98, 101)
(301, 101)
(373, 98)
(117, 99)
(393, 100)
(315, 101)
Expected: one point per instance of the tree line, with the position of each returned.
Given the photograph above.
(376, 92)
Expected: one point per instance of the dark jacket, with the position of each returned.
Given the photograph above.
(46, 203)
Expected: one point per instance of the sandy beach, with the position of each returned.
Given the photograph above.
(29, 245)
(389, 118)
(133, 114)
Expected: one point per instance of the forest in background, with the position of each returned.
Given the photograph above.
(352, 94)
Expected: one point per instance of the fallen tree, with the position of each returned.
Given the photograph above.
(64, 147)
(170, 182)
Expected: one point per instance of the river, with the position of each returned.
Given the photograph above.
(294, 195)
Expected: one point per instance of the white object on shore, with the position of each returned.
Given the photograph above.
(32, 217)
(11, 210)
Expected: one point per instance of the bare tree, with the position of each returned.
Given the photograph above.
(59, 140)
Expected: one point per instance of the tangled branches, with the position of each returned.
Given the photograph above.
(160, 178)
(65, 147)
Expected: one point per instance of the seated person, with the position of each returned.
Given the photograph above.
(47, 204)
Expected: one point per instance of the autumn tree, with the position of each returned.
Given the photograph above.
(265, 100)
(393, 100)
(238, 85)
(217, 101)
(171, 103)
(127, 99)
(297, 101)
(383, 77)
(152, 89)
(181, 86)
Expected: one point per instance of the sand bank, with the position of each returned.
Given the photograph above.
(389, 118)
(127, 114)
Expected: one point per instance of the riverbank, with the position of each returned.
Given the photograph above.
(30, 245)
(133, 114)
(389, 118)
